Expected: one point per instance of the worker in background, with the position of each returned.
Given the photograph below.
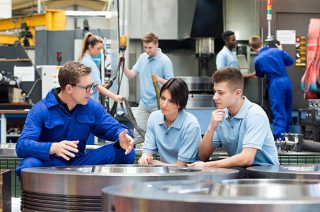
(242, 127)
(57, 127)
(91, 46)
(171, 131)
(226, 58)
(272, 62)
(152, 61)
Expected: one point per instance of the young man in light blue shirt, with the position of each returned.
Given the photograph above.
(171, 131)
(242, 127)
(226, 58)
(152, 61)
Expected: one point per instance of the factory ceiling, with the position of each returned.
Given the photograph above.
(29, 7)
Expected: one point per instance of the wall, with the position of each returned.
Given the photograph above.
(242, 17)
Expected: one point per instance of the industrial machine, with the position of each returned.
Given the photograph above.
(79, 188)
(193, 41)
(9, 91)
(49, 78)
(18, 77)
(309, 120)
(25, 26)
(240, 195)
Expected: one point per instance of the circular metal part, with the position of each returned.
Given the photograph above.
(8, 150)
(79, 188)
(301, 171)
(207, 195)
(198, 84)
(266, 188)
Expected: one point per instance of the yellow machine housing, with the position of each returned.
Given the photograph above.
(50, 20)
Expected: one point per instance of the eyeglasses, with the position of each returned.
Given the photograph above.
(87, 88)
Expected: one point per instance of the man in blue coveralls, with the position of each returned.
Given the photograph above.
(272, 62)
(57, 127)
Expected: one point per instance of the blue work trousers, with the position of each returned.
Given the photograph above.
(107, 154)
(280, 95)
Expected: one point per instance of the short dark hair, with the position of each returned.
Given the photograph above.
(231, 75)
(70, 73)
(179, 91)
(225, 35)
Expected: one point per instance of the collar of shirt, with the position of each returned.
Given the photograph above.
(227, 49)
(157, 56)
(243, 110)
(177, 123)
(86, 55)
(53, 99)
(264, 49)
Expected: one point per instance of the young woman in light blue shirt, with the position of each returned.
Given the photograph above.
(91, 46)
(171, 131)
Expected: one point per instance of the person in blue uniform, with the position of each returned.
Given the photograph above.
(240, 126)
(91, 46)
(227, 58)
(57, 127)
(272, 62)
(171, 131)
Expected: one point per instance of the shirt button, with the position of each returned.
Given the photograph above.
(166, 133)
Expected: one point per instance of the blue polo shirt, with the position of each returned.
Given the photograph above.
(226, 58)
(88, 61)
(248, 128)
(145, 66)
(178, 142)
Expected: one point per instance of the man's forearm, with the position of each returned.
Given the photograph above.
(178, 163)
(129, 73)
(234, 161)
(161, 80)
(205, 147)
(105, 92)
(243, 159)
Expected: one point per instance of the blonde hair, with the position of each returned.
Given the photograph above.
(150, 37)
(255, 42)
(89, 39)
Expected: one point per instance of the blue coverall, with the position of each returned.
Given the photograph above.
(272, 62)
(49, 121)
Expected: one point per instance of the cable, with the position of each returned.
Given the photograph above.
(33, 85)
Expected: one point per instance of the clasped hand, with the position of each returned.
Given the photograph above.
(65, 149)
